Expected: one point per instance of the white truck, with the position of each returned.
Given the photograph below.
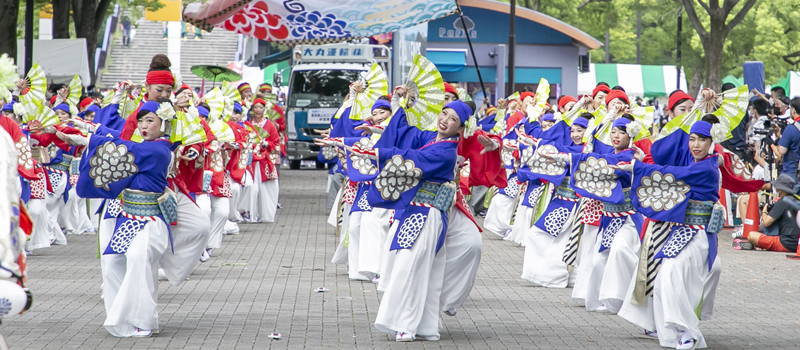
(318, 83)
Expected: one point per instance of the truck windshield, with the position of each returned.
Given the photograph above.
(320, 88)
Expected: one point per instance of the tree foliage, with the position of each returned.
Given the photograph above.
(769, 32)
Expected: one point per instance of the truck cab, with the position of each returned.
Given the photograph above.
(318, 84)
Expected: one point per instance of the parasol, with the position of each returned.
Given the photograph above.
(215, 73)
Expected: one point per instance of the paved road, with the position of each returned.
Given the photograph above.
(262, 281)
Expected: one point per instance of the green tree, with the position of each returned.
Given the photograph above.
(9, 11)
(713, 35)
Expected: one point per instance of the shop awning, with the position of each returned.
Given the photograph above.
(638, 80)
(448, 61)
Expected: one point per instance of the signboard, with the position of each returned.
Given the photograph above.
(334, 52)
(169, 12)
(321, 115)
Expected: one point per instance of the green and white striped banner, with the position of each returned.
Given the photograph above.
(637, 80)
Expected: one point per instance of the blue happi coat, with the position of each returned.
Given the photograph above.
(407, 160)
(680, 194)
(111, 165)
(592, 178)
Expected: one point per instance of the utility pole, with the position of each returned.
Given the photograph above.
(512, 39)
(28, 35)
(608, 54)
(678, 53)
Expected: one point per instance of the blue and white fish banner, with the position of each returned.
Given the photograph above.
(314, 20)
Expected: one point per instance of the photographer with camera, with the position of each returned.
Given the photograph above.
(763, 135)
(779, 231)
(790, 142)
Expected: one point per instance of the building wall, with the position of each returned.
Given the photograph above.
(562, 57)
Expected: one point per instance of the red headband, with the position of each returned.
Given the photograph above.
(259, 100)
(525, 94)
(185, 86)
(264, 87)
(565, 99)
(673, 100)
(158, 77)
(86, 102)
(616, 94)
(449, 88)
(243, 86)
(599, 88)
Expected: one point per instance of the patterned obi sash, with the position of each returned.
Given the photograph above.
(140, 205)
(704, 216)
(41, 154)
(66, 161)
(435, 195)
(564, 192)
(619, 210)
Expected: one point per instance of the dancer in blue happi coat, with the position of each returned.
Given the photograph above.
(135, 231)
(617, 247)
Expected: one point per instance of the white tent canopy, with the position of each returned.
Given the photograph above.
(637, 80)
(60, 59)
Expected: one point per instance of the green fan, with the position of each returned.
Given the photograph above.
(222, 131)
(542, 94)
(270, 112)
(500, 117)
(261, 134)
(8, 73)
(216, 104)
(425, 98)
(187, 129)
(733, 108)
(5, 95)
(463, 95)
(41, 113)
(37, 85)
(646, 116)
(231, 94)
(375, 85)
(74, 94)
(730, 113)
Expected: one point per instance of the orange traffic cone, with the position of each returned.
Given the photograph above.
(724, 199)
(752, 219)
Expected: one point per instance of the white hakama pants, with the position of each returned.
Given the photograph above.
(236, 192)
(94, 217)
(498, 217)
(220, 208)
(130, 280)
(522, 223)
(248, 202)
(464, 244)
(375, 226)
(677, 292)
(613, 269)
(340, 256)
(74, 217)
(267, 199)
(189, 238)
(55, 205)
(543, 262)
(42, 225)
(411, 303)
(583, 263)
(353, 241)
